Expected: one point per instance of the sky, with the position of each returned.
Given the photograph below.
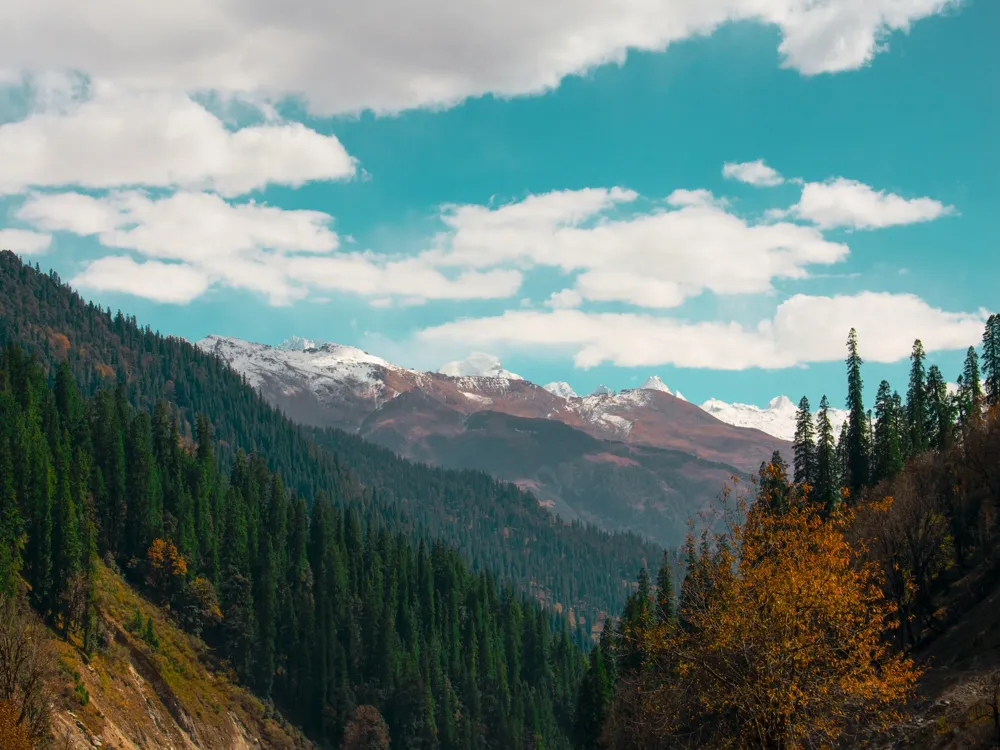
(714, 191)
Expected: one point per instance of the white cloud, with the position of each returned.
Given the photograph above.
(564, 299)
(119, 139)
(162, 282)
(410, 280)
(803, 329)
(700, 197)
(280, 254)
(23, 242)
(848, 203)
(390, 55)
(654, 259)
(753, 173)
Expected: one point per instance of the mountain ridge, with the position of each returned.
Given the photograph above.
(644, 460)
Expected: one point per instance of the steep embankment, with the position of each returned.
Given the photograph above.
(166, 694)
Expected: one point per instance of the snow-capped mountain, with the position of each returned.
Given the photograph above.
(653, 383)
(327, 384)
(777, 419)
(478, 365)
(561, 388)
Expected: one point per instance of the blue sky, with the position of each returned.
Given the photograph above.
(429, 202)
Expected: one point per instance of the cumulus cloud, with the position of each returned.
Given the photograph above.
(161, 282)
(110, 138)
(564, 299)
(24, 242)
(655, 258)
(848, 203)
(753, 173)
(803, 329)
(391, 55)
(282, 254)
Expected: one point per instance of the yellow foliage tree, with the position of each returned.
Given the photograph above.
(167, 569)
(780, 644)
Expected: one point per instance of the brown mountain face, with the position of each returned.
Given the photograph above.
(641, 459)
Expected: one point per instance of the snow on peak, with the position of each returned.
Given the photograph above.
(562, 389)
(781, 403)
(680, 395)
(298, 344)
(778, 419)
(602, 390)
(653, 383)
(478, 365)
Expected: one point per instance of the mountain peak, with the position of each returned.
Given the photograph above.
(780, 402)
(602, 390)
(478, 365)
(653, 383)
(298, 344)
(561, 388)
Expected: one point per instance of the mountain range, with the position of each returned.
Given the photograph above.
(642, 459)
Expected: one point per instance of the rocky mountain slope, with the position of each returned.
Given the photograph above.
(642, 459)
(165, 692)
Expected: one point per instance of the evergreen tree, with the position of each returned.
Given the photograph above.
(916, 402)
(941, 417)
(991, 360)
(827, 476)
(969, 399)
(856, 449)
(887, 453)
(804, 446)
(666, 607)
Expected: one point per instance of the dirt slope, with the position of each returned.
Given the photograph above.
(131, 695)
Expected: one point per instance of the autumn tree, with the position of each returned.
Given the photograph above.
(366, 730)
(785, 650)
(26, 663)
(167, 569)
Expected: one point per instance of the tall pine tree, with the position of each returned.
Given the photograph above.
(887, 454)
(991, 359)
(827, 477)
(916, 402)
(940, 416)
(856, 449)
(804, 446)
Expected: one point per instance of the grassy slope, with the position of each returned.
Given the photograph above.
(169, 697)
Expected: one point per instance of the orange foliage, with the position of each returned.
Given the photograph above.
(13, 734)
(781, 643)
(167, 568)
(59, 343)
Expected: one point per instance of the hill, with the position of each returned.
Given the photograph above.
(318, 610)
(529, 548)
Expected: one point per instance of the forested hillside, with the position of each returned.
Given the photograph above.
(318, 608)
(838, 596)
(496, 526)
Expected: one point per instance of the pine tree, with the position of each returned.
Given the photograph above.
(666, 607)
(827, 478)
(969, 399)
(11, 523)
(916, 402)
(857, 449)
(886, 451)
(804, 446)
(991, 359)
(941, 418)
